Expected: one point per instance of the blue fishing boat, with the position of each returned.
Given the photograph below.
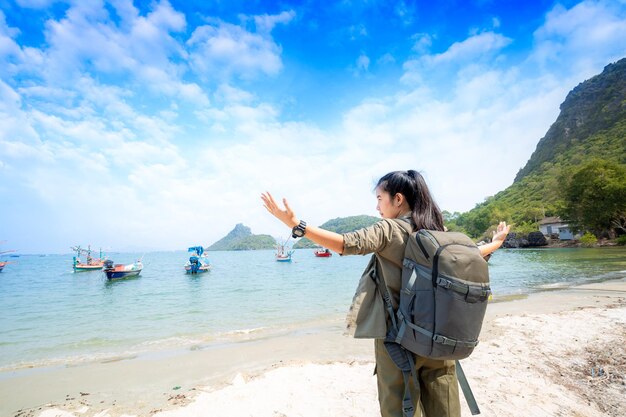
(282, 253)
(119, 271)
(198, 262)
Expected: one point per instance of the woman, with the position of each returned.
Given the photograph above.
(401, 196)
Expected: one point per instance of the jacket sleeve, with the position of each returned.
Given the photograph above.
(368, 240)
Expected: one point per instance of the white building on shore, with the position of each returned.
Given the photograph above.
(554, 225)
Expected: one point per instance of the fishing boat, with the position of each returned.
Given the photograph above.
(5, 263)
(323, 253)
(282, 253)
(91, 264)
(118, 271)
(198, 262)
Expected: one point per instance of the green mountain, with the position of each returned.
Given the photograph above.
(340, 225)
(591, 127)
(241, 238)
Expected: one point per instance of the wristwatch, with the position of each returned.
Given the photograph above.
(299, 230)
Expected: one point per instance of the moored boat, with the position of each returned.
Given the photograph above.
(323, 253)
(282, 253)
(5, 263)
(197, 263)
(118, 271)
(91, 264)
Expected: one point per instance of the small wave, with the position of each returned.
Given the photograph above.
(175, 341)
(245, 331)
(508, 297)
(118, 358)
(554, 285)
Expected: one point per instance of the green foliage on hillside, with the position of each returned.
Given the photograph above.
(591, 126)
(340, 225)
(595, 195)
(591, 108)
(241, 238)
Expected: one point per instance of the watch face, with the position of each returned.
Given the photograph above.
(299, 230)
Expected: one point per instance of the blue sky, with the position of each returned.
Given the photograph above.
(156, 125)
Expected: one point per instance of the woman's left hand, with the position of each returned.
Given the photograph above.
(285, 215)
(500, 233)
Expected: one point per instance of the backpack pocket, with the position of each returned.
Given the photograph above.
(441, 322)
(416, 312)
(458, 316)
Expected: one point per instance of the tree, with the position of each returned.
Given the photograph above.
(595, 195)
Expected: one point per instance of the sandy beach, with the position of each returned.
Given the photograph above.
(554, 353)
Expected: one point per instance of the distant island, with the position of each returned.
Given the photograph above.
(241, 237)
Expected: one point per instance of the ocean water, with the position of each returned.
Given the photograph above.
(52, 316)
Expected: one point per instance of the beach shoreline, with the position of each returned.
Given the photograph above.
(524, 340)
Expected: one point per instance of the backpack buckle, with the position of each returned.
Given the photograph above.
(444, 283)
(437, 338)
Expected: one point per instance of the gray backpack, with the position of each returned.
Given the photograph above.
(443, 299)
(445, 289)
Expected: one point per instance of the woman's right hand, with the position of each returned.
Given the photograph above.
(285, 215)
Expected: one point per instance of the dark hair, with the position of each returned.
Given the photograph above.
(424, 211)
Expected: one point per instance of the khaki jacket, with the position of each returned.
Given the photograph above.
(367, 317)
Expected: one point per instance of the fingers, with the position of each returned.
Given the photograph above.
(272, 207)
(268, 202)
(266, 196)
(287, 205)
(502, 229)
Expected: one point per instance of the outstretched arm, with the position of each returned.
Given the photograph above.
(328, 239)
(498, 238)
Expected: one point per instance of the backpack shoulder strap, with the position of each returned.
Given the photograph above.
(382, 289)
(404, 223)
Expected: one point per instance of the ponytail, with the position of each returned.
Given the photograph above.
(425, 213)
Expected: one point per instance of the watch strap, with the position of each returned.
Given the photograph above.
(299, 230)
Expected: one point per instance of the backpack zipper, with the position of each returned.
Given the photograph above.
(424, 233)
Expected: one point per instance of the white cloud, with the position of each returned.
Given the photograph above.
(36, 4)
(423, 42)
(405, 13)
(141, 48)
(227, 93)
(457, 144)
(475, 51)
(10, 51)
(475, 47)
(265, 23)
(362, 63)
(580, 39)
(222, 50)
(355, 32)
(387, 58)
(16, 133)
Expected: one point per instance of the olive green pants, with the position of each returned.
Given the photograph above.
(438, 393)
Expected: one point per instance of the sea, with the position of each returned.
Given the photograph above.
(51, 316)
